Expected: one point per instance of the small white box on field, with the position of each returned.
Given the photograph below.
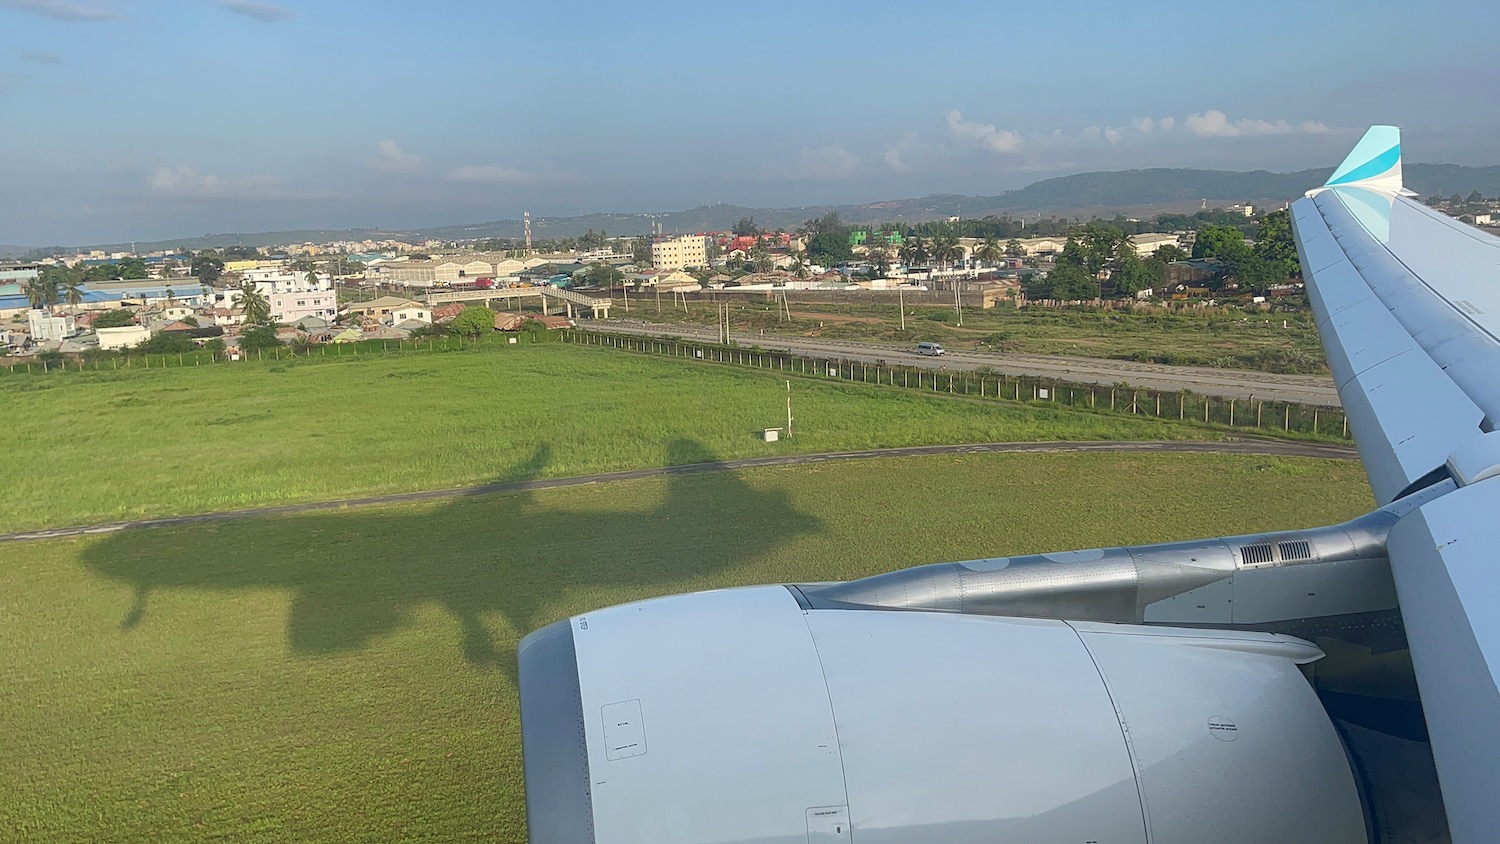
(1042, 393)
(511, 340)
(771, 435)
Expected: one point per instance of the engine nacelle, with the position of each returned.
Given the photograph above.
(744, 716)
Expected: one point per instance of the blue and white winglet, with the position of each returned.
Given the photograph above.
(1407, 302)
(1373, 164)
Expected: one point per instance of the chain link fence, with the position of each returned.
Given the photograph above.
(1271, 417)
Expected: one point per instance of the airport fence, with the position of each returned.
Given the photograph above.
(1242, 414)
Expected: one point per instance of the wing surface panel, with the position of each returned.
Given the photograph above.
(1405, 411)
(1443, 558)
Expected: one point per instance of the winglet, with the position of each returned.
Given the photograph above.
(1374, 164)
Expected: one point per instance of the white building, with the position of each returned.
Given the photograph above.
(678, 252)
(269, 280)
(410, 312)
(123, 337)
(1147, 244)
(44, 326)
(286, 306)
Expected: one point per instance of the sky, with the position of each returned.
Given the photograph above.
(151, 119)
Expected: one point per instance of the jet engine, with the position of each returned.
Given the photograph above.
(748, 715)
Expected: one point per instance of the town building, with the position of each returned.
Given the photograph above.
(123, 337)
(409, 312)
(675, 253)
(45, 327)
(381, 309)
(19, 274)
(1147, 244)
(292, 306)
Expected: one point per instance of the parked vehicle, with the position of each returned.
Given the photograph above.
(933, 349)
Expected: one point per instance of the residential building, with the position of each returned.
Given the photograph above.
(382, 308)
(675, 253)
(46, 327)
(409, 312)
(269, 280)
(290, 307)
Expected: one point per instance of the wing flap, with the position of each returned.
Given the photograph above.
(1443, 558)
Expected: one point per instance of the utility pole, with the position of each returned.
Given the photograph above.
(957, 304)
(788, 409)
(901, 303)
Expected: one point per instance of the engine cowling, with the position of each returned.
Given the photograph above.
(744, 716)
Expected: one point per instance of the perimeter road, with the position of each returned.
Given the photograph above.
(1203, 380)
(1248, 446)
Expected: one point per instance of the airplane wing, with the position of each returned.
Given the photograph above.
(1407, 302)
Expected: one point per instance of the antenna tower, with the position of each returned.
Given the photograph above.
(526, 229)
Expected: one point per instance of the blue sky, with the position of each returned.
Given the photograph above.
(146, 119)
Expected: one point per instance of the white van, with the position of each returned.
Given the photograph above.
(930, 349)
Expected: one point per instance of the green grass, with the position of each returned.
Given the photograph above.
(347, 676)
(1220, 338)
(99, 446)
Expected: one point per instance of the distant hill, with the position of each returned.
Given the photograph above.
(1102, 193)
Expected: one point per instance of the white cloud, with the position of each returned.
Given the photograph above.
(186, 182)
(1215, 124)
(497, 174)
(983, 134)
(62, 10)
(1113, 135)
(1166, 123)
(893, 160)
(392, 159)
(1144, 125)
(263, 12)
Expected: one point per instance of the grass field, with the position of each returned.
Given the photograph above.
(348, 676)
(1233, 340)
(99, 446)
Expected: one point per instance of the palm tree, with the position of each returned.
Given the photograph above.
(72, 288)
(945, 250)
(799, 264)
(37, 293)
(879, 256)
(255, 307)
(989, 252)
(914, 251)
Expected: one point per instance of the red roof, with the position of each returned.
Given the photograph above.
(508, 322)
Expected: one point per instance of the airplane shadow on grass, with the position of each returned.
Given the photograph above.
(355, 575)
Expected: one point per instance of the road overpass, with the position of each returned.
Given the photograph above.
(570, 300)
